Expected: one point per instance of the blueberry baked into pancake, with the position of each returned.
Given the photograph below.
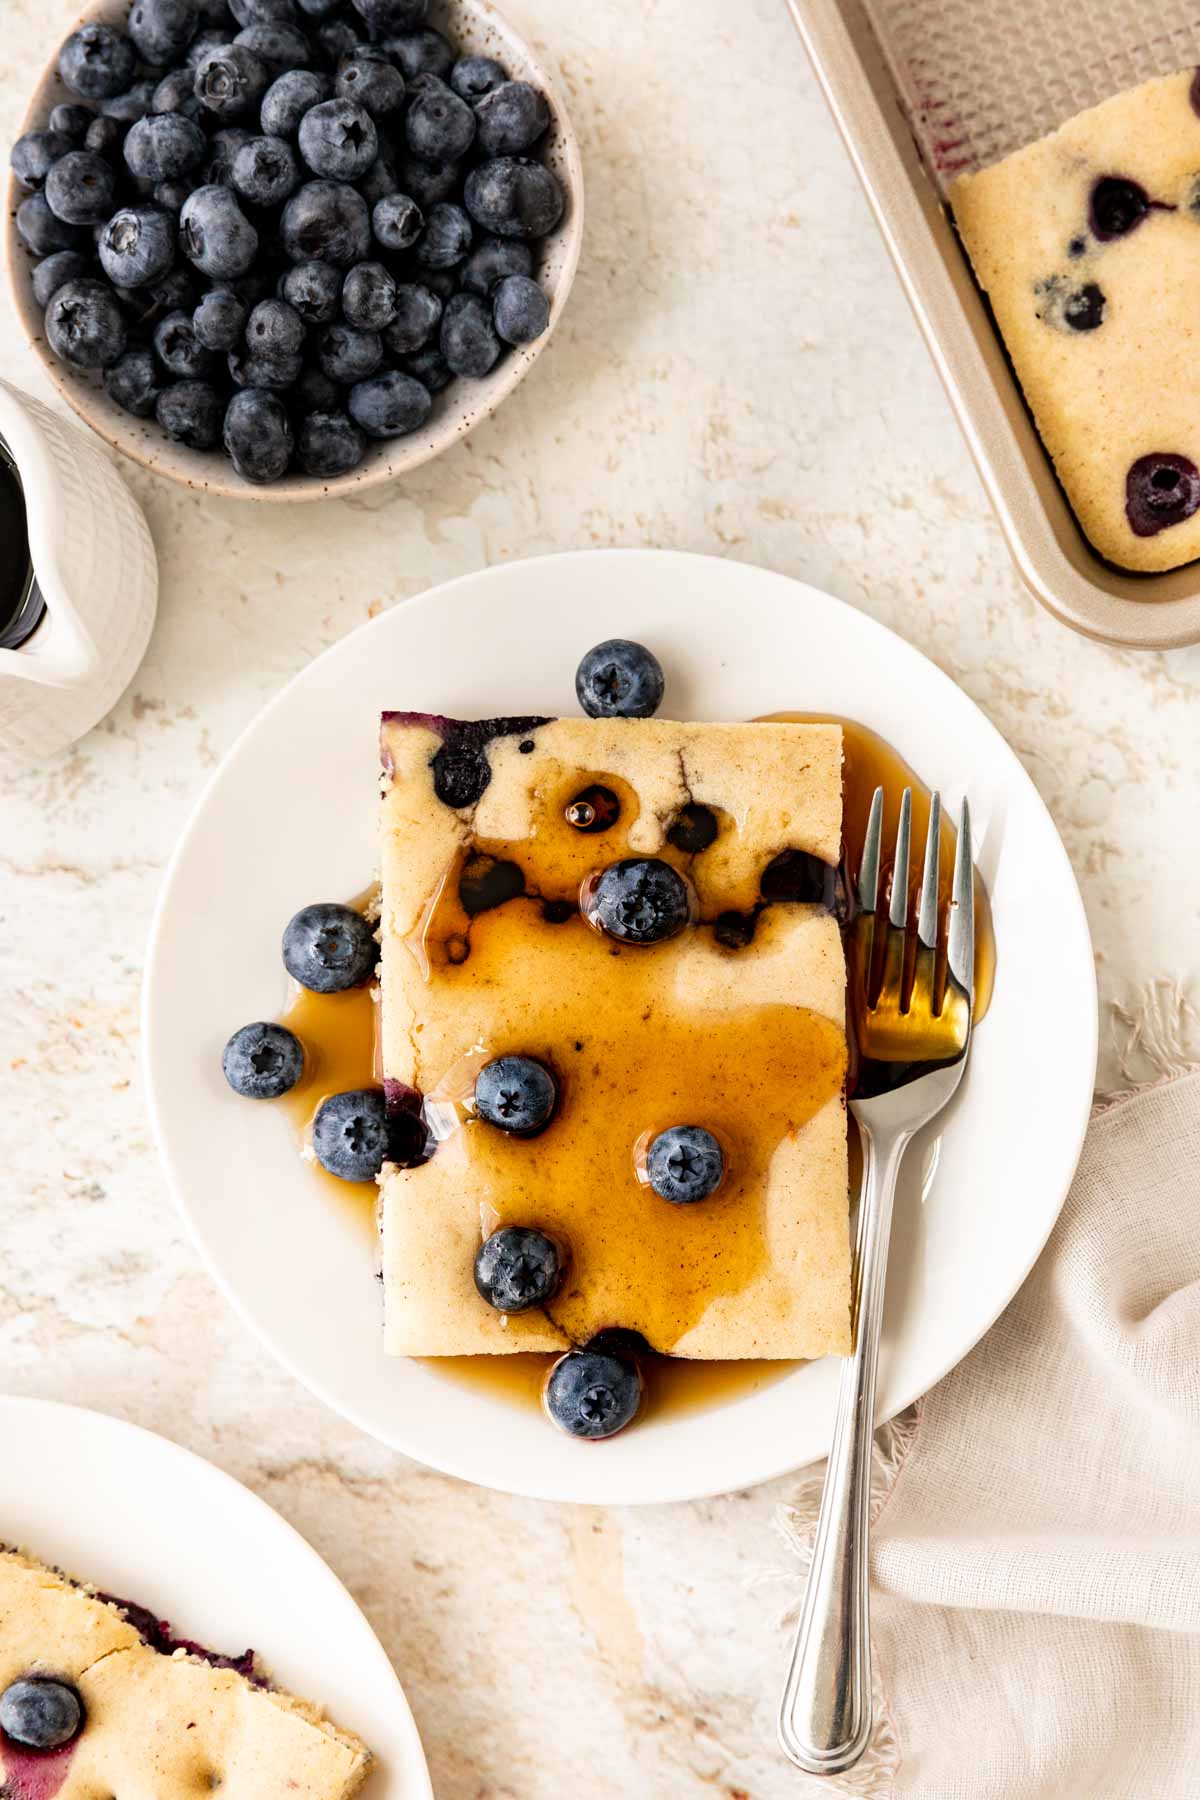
(97, 1699)
(1087, 244)
(614, 988)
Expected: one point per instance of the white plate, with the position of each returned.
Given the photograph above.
(133, 1513)
(290, 817)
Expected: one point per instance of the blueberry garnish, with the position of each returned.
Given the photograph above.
(684, 1164)
(639, 900)
(593, 810)
(619, 680)
(1160, 490)
(263, 1061)
(798, 875)
(328, 947)
(516, 1094)
(693, 829)
(518, 1268)
(1117, 205)
(352, 1136)
(40, 1714)
(592, 1393)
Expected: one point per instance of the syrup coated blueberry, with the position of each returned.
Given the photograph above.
(350, 1134)
(516, 1094)
(263, 1061)
(592, 1393)
(517, 1268)
(328, 948)
(639, 900)
(40, 1714)
(619, 679)
(684, 1164)
(1161, 490)
(1117, 205)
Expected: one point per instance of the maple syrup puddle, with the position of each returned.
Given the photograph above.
(340, 1034)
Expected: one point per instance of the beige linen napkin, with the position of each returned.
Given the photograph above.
(1036, 1555)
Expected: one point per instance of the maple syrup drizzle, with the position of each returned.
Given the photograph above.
(341, 1036)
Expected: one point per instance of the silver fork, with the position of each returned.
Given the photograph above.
(912, 1017)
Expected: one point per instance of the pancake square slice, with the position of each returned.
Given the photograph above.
(1087, 244)
(521, 859)
(153, 1717)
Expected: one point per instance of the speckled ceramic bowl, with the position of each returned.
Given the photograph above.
(478, 28)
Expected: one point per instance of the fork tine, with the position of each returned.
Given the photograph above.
(960, 947)
(927, 916)
(868, 874)
(898, 911)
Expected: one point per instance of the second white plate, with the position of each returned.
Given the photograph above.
(290, 818)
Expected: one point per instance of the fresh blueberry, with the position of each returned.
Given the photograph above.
(274, 329)
(520, 310)
(84, 325)
(53, 271)
(258, 435)
(1117, 205)
(638, 900)
(370, 80)
(684, 1164)
(179, 350)
(517, 1268)
(468, 338)
(327, 443)
(79, 188)
(513, 196)
(263, 12)
(33, 155)
(380, 16)
(438, 126)
(288, 99)
(338, 140)
(215, 234)
(442, 282)
(175, 93)
(350, 1134)
(263, 369)
(474, 76)
(133, 383)
(40, 1714)
(368, 297)
(105, 137)
(314, 289)
(446, 238)
(347, 355)
(265, 171)
(170, 195)
(511, 118)
(230, 80)
(397, 221)
(417, 53)
(263, 1061)
(491, 261)
(213, 38)
(223, 146)
(336, 40)
(219, 319)
(190, 412)
(1160, 490)
(389, 405)
(318, 9)
(42, 232)
(427, 183)
(328, 948)
(381, 178)
(592, 1393)
(70, 120)
(429, 368)
(173, 292)
(164, 145)
(162, 29)
(97, 61)
(516, 1094)
(133, 104)
(693, 829)
(280, 46)
(314, 392)
(619, 679)
(417, 316)
(329, 221)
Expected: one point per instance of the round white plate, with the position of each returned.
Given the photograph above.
(290, 817)
(139, 1517)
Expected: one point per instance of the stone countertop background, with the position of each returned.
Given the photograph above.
(737, 373)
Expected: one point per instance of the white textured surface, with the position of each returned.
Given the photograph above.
(737, 373)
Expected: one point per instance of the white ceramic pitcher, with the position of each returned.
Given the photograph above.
(94, 562)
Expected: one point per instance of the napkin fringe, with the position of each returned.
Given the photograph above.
(1158, 1039)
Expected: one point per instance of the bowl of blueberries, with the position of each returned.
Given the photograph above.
(283, 249)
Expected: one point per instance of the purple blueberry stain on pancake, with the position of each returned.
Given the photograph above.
(461, 771)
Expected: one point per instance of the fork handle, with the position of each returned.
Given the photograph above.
(825, 1717)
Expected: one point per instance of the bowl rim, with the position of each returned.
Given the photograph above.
(173, 461)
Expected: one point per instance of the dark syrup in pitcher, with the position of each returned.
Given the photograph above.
(21, 603)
